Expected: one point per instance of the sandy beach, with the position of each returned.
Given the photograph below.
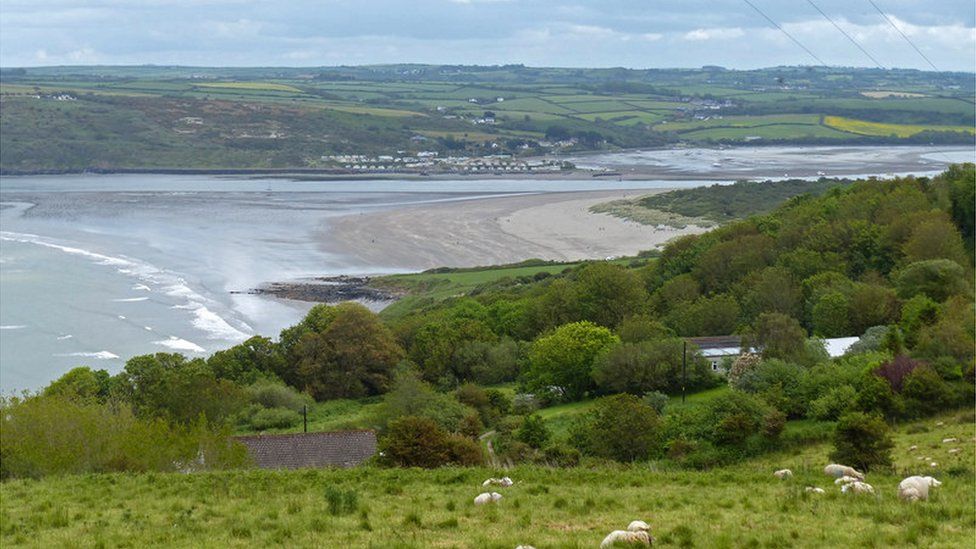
(554, 226)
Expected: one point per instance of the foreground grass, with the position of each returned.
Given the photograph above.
(739, 506)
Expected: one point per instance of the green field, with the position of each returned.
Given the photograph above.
(140, 107)
(736, 506)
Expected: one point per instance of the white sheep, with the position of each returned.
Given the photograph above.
(638, 526)
(837, 471)
(846, 480)
(933, 464)
(504, 481)
(913, 447)
(815, 490)
(939, 423)
(857, 488)
(623, 537)
(916, 488)
(783, 474)
(949, 440)
(525, 547)
(954, 450)
(487, 497)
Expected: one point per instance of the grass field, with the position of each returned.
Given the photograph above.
(260, 86)
(864, 127)
(736, 506)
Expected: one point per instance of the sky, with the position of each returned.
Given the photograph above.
(564, 33)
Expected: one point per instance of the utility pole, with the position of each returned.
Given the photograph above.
(684, 369)
(305, 416)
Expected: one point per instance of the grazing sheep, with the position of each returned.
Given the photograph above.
(846, 480)
(504, 481)
(638, 526)
(949, 440)
(916, 488)
(525, 547)
(815, 490)
(933, 464)
(623, 537)
(783, 474)
(837, 471)
(487, 498)
(913, 447)
(857, 488)
(939, 423)
(954, 450)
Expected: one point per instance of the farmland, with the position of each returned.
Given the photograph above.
(111, 118)
(735, 506)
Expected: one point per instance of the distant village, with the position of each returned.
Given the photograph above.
(425, 162)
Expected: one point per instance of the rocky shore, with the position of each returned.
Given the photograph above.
(327, 289)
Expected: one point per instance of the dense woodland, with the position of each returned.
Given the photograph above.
(890, 261)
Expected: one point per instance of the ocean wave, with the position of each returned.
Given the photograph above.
(100, 355)
(12, 327)
(64, 337)
(130, 299)
(204, 318)
(179, 344)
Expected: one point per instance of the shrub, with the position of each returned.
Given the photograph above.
(274, 418)
(272, 394)
(778, 382)
(657, 400)
(533, 431)
(924, 391)
(412, 397)
(742, 364)
(862, 441)
(896, 370)
(619, 427)
(564, 359)
(524, 403)
(833, 404)
(464, 451)
(869, 341)
(499, 401)
(935, 278)
(415, 442)
(656, 365)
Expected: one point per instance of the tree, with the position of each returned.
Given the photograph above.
(708, 316)
(774, 291)
(533, 431)
(936, 278)
(638, 368)
(246, 363)
(831, 315)
(608, 293)
(642, 328)
(351, 357)
(619, 427)
(935, 238)
(862, 441)
(415, 442)
(778, 336)
(411, 396)
(564, 359)
(81, 383)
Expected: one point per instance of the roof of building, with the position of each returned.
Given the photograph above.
(310, 450)
(716, 342)
(837, 346)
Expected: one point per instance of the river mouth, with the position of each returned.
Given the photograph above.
(96, 269)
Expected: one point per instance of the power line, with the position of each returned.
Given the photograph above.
(903, 35)
(788, 35)
(849, 37)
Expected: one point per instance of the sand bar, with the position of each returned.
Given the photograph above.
(489, 231)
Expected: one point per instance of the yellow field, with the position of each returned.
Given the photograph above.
(863, 127)
(256, 86)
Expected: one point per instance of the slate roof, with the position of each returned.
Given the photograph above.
(310, 450)
(716, 342)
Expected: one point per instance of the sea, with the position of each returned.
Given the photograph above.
(95, 269)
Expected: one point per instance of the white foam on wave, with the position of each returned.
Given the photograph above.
(121, 317)
(64, 337)
(130, 299)
(147, 328)
(179, 344)
(204, 318)
(12, 327)
(100, 355)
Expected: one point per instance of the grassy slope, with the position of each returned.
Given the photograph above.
(737, 506)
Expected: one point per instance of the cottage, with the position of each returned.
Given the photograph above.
(718, 348)
(310, 450)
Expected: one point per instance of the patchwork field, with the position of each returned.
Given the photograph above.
(736, 506)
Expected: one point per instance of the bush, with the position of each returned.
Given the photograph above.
(412, 397)
(533, 431)
(420, 442)
(619, 427)
(272, 394)
(935, 278)
(561, 455)
(656, 365)
(862, 441)
(564, 359)
(896, 370)
(833, 404)
(524, 404)
(778, 382)
(925, 392)
(657, 400)
(275, 418)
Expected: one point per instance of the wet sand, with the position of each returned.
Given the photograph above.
(489, 231)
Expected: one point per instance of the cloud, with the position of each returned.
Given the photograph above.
(698, 35)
